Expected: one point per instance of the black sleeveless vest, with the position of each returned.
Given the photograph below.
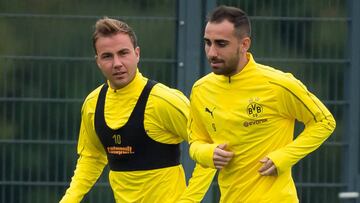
(129, 148)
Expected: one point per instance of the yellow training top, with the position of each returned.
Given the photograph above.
(165, 121)
(254, 112)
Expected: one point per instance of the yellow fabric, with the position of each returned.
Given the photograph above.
(254, 112)
(165, 121)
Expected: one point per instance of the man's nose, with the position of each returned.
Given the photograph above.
(117, 62)
(212, 52)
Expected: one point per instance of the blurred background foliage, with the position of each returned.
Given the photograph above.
(47, 69)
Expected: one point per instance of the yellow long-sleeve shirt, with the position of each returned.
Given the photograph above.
(254, 112)
(165, 121)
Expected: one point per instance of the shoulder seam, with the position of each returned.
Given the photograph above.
(301, 86)
(88, 98)
(287, 89)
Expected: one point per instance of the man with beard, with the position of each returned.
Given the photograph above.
(242, 117)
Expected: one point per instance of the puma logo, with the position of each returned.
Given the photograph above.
(210, 112)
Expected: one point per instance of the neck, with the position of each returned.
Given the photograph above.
(243, 61)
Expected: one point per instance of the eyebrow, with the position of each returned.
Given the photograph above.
(121, 50)
(221, 40)
(105, 53)
(216, 40)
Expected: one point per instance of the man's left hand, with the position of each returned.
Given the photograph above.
(268, 168)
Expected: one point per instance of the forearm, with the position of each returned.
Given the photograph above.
(309, 140)
(88, 170)
(199, 184)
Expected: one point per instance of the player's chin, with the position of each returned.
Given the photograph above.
(121, 82)
(217, 71)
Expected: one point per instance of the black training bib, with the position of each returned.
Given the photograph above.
(129, 148)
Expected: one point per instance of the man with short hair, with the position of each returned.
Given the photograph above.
(242, 117)
(135, 125)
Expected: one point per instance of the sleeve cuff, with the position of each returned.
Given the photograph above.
(276, 159)
(203, 154)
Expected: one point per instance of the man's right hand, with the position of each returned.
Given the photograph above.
(222, 157)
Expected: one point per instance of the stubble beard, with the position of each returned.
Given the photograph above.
(229, 67)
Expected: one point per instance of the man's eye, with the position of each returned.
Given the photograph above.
(207, 42)
(123, 53)
(222, 44)
(106, 57)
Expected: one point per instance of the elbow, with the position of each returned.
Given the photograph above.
(192, 152)
(331, 123)
(328, 124)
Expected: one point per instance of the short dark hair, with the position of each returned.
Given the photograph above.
(236, 16)
(107, 27)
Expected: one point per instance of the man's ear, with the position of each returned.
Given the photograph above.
(245, 44)
(96, 60)
(137, 53)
